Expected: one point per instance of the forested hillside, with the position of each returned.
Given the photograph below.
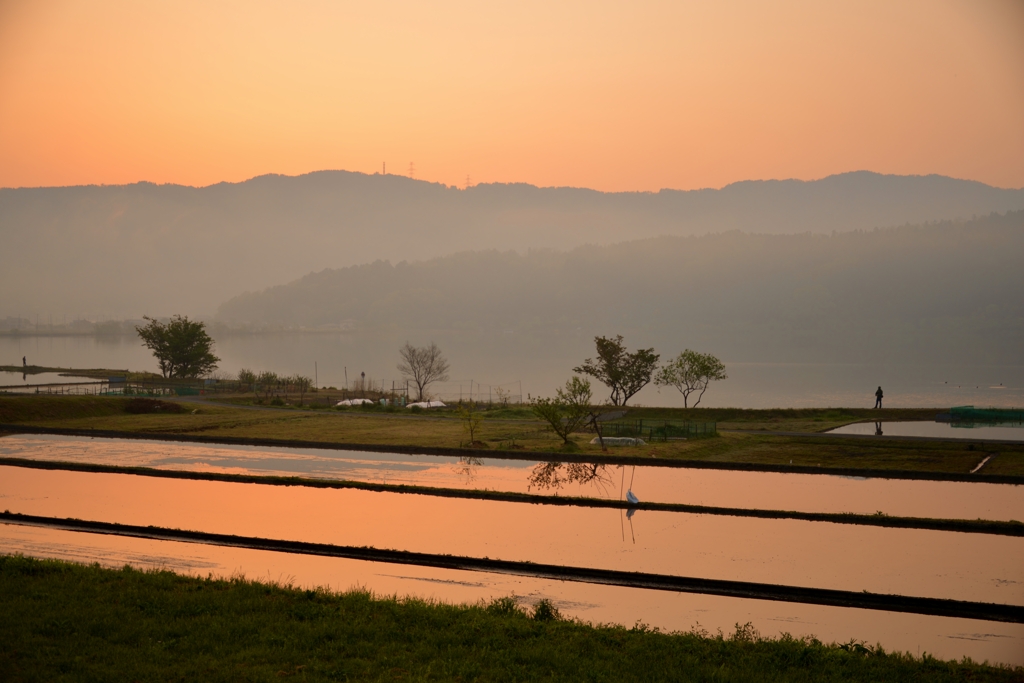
(944, 292)
(164, 249)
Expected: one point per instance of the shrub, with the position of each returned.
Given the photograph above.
(141, 406)
(507, 605)
(544, 610)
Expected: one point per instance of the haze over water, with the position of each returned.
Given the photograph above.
(829, 197)
(543, 362)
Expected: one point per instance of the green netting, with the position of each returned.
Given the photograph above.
(972, 414)
(660, 430)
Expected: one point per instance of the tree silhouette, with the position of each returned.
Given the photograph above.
(691, 371)
(423, 366)
(181, 346)
(624, 373)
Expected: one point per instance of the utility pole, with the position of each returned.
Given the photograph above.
(385, 172)
(412, 169)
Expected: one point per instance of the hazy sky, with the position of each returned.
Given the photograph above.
(615, 96)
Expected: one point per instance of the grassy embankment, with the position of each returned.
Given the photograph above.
(71, 622)
(773, 419)
(502, 429)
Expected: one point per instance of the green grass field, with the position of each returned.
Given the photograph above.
(70, 622)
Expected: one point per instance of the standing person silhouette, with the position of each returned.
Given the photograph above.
(878, 398)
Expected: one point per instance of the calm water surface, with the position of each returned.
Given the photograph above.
(16, 380)
(536, 363)
(943, 637)
(847, 557)
(942, 430)
(757, 490)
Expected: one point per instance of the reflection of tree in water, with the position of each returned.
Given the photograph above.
(466, 467)
(555, 475)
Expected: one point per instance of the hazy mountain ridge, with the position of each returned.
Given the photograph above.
(936, 291)
(168, 248)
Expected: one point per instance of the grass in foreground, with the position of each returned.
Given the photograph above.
(217, 420)
(71, 622)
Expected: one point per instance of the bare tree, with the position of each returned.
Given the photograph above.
(302, 383)
(423, 366)
(471, 419)
(268, 380)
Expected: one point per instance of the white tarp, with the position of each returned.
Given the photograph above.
(354, 402)
(618, 441)
(427, 404)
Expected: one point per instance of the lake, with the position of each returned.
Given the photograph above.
(534, 365)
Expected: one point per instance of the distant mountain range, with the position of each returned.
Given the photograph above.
(948, 293)
(161, 249)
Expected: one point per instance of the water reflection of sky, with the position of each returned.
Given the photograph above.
(846, 557)
(540, 362)
(17, 379)
(761, 490)
(942, 637)
(943, 430)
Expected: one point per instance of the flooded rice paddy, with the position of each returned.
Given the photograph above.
(789, 552)
(940, 430)
(911, 562)
(943, 637)
(750, 490)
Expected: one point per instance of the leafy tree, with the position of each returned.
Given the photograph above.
(423, 366)
(246, 376)
(568, 411)
(691, 372)
(181, 346)
(624, 373)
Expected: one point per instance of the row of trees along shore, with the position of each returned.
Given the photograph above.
(183, 349)
(625, 374)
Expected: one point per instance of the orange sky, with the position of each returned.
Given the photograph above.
(615, 96)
